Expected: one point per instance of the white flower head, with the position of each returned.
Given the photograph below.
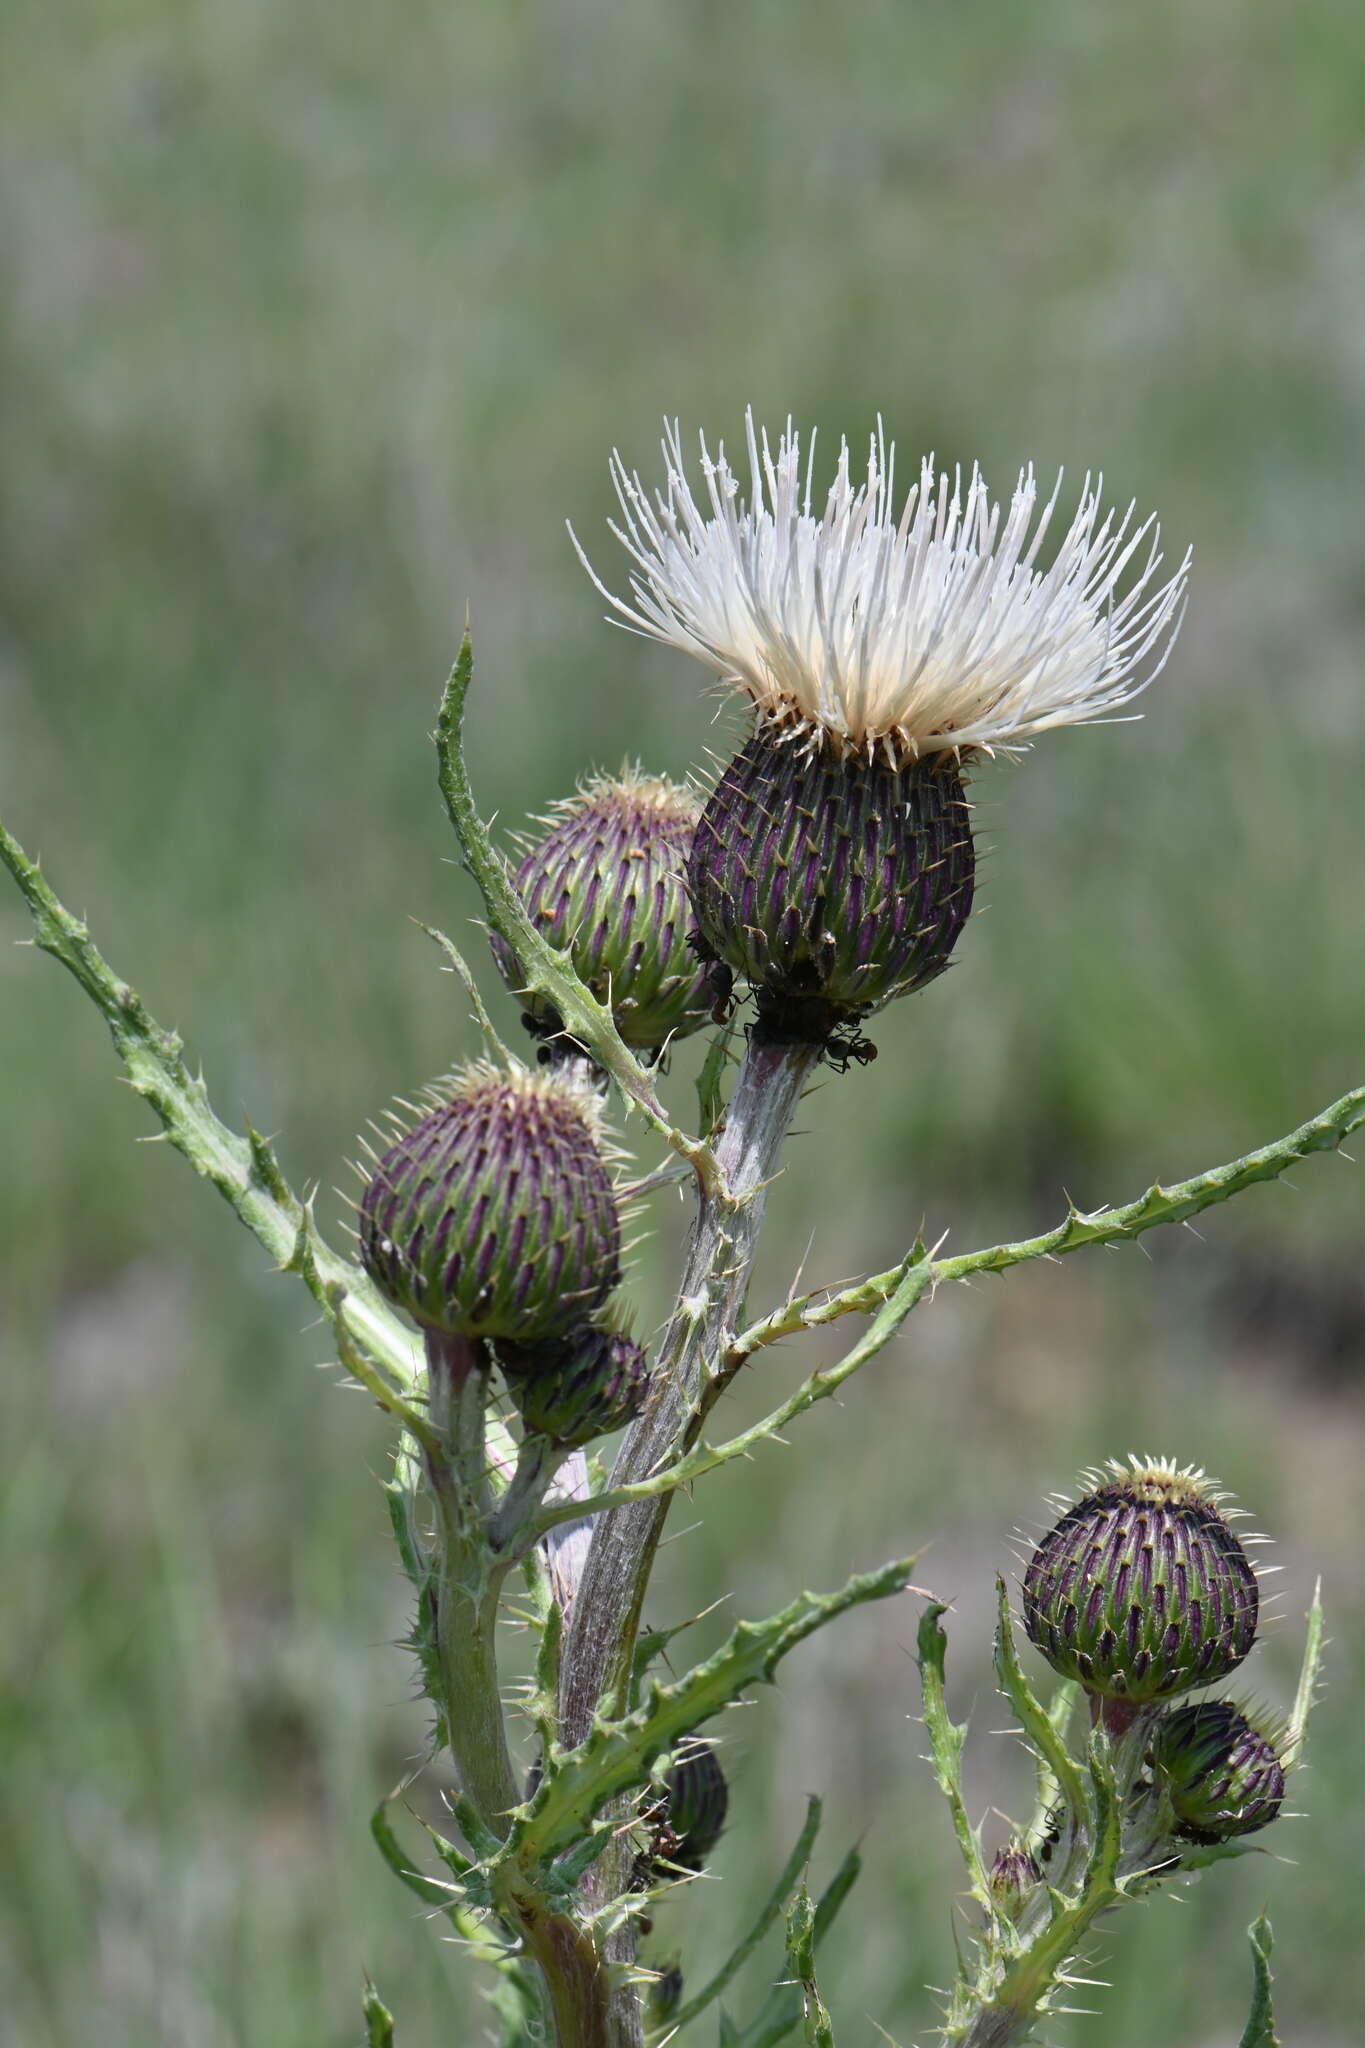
(931, 631)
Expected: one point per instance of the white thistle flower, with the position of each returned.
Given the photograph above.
(929, 632)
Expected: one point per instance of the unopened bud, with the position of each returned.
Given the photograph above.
(665, 1994)
(593, 1382)
(1224, 1775)
(698, 1798)
(606, 885)
(494, 1215)
(1141, 1590)
(1014, 1876)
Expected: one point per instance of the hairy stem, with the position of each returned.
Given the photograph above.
(572, 1971)
(715, 1279)
(600, 1642)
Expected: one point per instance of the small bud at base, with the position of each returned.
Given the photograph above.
(593, 1382)
(1014, 1875)
(1224, 1776)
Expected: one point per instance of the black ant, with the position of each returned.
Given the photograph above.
(657, 1860)
(719, 979)
(846, 1044)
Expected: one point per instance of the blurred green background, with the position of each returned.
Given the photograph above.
(320, 320)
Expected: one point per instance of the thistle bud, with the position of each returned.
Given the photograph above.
(573, 1392)
(1141, 1590)
(1223, 1774)
(830, 880)
(1014, 1876)
(494, 1215)
(606, 885)
(698, 1798)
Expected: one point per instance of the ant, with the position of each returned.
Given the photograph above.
(846, 1044)
(719, 979)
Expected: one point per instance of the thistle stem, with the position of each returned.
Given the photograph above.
(578, 1986)
(1055, 1924)
(600, 1643)
(535, 1468)
(468, 1581)
(715, 1279)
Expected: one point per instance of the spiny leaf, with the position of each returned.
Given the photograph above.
(1101, 1878)
(1309, 1670)
(801, 1963)
(390, 1848)
(570, 1868)
(457, 1864)
(710, 1081)
(459, 967)
(242, 1168)
(1203, 1855)
(947, 1740)
(1160, 1205)
(820, 1386)
(782, 2009)
(1037, 1725)
(1259, 2031)
(467, 1891)
(547, 1653)
(617, 1756)
(1023, 1987)
(1060, 1710)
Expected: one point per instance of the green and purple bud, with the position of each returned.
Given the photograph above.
(830, 879)
(573, 1392)
(494, 1215)
(606, 886)
(1224, 1775)
(1142, 1590)
(1014, 1877)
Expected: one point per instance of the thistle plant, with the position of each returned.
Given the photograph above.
(829, 869)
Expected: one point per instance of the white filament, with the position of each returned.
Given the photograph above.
(930, 631)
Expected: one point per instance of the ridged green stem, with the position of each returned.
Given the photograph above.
(468, 1582)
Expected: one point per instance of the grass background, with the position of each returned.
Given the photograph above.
(319, 322)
